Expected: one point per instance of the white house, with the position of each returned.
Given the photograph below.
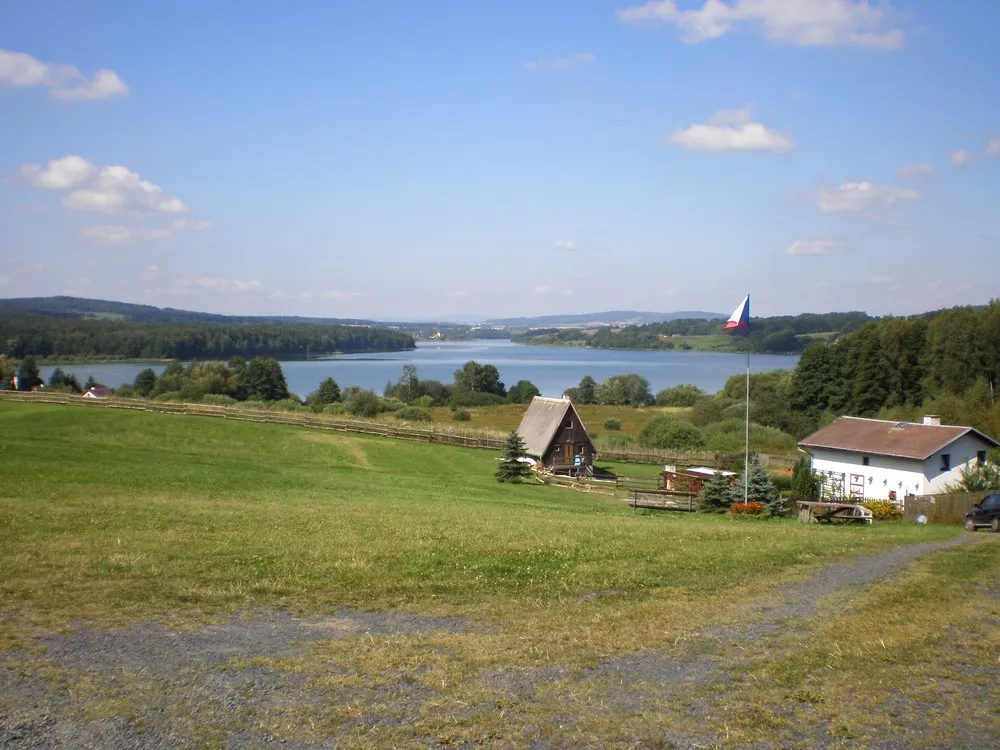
(877, 459)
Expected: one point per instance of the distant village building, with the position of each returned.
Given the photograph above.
(97, 391)
(876, 459)
(555, 437)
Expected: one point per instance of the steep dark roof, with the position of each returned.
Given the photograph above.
(541, 423)
(880, 437)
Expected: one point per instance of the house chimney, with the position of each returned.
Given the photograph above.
(932, 419)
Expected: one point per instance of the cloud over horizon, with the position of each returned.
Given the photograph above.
(64, 82)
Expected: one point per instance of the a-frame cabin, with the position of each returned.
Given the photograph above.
(554, 435)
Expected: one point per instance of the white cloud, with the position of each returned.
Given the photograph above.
(190, 225)
(576, 60)
(805, 23)
(565, 245)
(993, 149)
(540, 289)
(862, 197)
(961, 157)
(58, 174)
(816, 246)
(65, 82)
(915, 171)
(107, 234)
(110, 190)
(731, 130)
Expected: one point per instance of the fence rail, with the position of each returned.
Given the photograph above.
(948, 507)
(466, 437)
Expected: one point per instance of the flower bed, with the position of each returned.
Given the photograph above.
(746, 509)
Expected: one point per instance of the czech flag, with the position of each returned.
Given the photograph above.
(740, 319)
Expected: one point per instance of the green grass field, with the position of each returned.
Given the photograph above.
(109, 517)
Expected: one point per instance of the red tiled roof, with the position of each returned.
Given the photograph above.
(880, 437)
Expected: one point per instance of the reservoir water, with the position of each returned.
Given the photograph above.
(552, 369)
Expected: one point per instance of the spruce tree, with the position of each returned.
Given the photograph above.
(510, 468)
(716, 495)
(760, 489)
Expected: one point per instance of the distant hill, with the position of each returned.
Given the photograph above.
(79, 307)
(609, 318)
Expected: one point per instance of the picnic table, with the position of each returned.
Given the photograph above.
(826, 512)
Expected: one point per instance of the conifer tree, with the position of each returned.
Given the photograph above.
(716, 495)
(760, 489)
(510, 468)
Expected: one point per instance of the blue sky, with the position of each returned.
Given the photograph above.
(405, 160)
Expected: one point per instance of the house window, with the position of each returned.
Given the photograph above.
(866, 461)
(582, 449)
(981, 458)
(945, 462)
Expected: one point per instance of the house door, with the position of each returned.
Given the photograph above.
(568, 452)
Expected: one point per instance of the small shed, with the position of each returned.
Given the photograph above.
(97, 391)
(691, 479)
(555, 437)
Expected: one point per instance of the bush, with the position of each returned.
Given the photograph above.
(883, 510)
(424, 402)
(728, 438)
(746, 509)
(475, 398)
(413, 414)
(709, 410)
(668, 433)
(335, 409)
(612, 424)
(363, 404)
(680, 395)
(218, 399)
(287, 404)
(390, 404)
(461, 415)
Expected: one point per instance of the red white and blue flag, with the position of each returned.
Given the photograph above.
(740, 319)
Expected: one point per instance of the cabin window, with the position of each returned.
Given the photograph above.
(981, 458)
(582, 449)
(945, 462)
(866, 461)
(569, 425)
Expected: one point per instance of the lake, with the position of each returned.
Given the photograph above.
(552, 369)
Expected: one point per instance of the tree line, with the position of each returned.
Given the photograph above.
(779, 334)
(45, 337)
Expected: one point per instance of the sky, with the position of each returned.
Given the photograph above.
(406, 160)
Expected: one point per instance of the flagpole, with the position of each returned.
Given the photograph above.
(746, 443)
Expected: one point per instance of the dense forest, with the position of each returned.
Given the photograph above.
(53, 337)
(780, 334)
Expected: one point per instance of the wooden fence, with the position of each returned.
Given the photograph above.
(462, 436)
(663, 500)
(948, 507)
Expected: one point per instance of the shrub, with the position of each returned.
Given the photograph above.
(612, 424)
(287, 404)
(680, 395)
(709, 410)
(391, 404)
(334, 409)
(424, 402)
(412, 414)
(461, 415)
(363, 404)
(728, 437)
(716, 495)
(746, 509)
(616, 442)
(668, 433)
(883, 510)
(474, 398)
(218, 399)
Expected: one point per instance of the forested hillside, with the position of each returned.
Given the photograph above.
(779, 334)
(947, 363)
(22, 335)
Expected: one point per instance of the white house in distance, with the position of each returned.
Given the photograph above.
(875, 459)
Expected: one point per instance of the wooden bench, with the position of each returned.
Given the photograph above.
(663, 500)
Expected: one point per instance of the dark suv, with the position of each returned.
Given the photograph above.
(986, 513)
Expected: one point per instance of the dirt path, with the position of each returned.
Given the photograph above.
(149, 687)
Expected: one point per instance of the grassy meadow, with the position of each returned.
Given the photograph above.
(109, 517)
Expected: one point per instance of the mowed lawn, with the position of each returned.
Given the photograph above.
(106, 512)
(569, 613)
